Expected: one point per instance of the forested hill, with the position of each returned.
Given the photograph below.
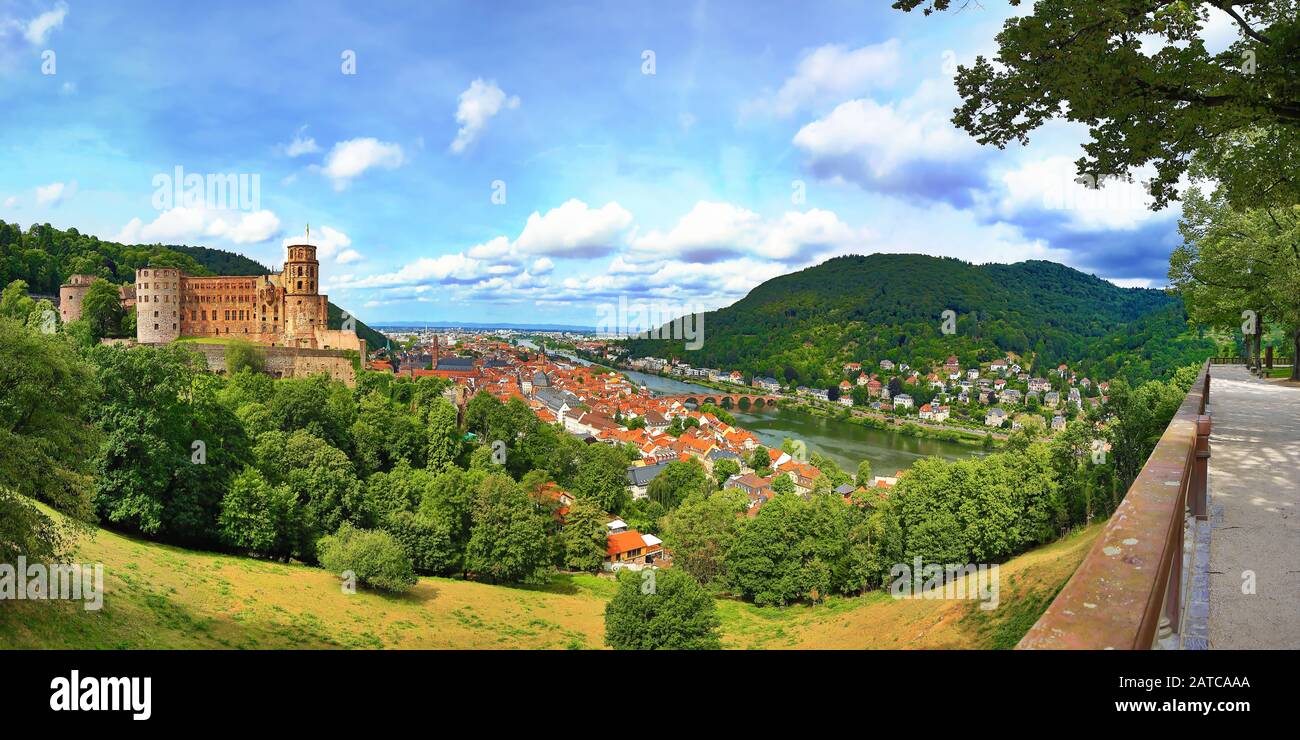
(805, 325)
(44, 257)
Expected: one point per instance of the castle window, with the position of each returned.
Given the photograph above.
(300, 287)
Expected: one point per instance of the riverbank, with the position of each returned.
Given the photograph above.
(900, 425)
(848, 440)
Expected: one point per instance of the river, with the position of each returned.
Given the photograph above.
(845, 443)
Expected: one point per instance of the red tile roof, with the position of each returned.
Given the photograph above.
(616, 544)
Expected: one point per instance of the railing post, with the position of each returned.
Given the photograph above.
(1174, 592)
(1200, 471)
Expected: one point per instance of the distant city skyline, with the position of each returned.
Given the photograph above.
(469, 163)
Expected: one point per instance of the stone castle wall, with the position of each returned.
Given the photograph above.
(288, 362)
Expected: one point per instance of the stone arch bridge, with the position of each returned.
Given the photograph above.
(741, 401)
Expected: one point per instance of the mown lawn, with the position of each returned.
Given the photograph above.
(158, 596)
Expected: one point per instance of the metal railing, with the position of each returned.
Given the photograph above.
(1127, 592)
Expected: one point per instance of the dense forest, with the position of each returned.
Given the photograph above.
(802, 327)
(44, 257)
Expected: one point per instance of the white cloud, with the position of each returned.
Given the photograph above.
(831, 72)
(183, 224)
(887, 136)
(55, 193)
(301, 145)
(907, 148)
(348, 159)
(444, 268)
(328, 241)
(541, 266)
(574, 230)
(494, 249)
(11, 201)
(1051, 184)
(478, 104)
(250, 228)
(711, 232)
(348, 256)
(38, 29)
(707, 231)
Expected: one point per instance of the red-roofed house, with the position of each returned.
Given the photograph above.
(631, 549)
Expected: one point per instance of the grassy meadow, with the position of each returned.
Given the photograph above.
(159, 596)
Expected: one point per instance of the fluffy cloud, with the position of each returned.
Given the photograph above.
(55, 193)
(249, 228)
(574, 230)
(498, 248)
(831, 72)
(712, 232)
(38, 29)
(1052, 184)
(908, 149)
(329, 243)
(182, 224)
(447, 268)
(715, 254)
(348, 159)
(1109, 230)
(478, 104)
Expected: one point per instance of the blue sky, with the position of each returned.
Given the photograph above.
(518, 161)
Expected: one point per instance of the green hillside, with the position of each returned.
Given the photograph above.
(164, 597)
(804, 326)
(44, 257)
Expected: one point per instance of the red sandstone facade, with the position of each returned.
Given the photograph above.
(284, 310)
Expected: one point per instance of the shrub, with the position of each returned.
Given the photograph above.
(376, 557)
(661, 610)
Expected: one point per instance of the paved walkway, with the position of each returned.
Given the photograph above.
(1255, 494)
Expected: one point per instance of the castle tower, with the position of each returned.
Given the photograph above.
(157, 304)
(72, 294)
(301, 270)
(305, 309)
